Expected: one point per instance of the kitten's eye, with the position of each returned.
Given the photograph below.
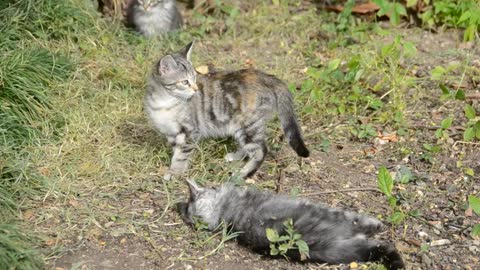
(185, 82)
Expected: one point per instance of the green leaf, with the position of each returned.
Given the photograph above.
(438, 133)
(474, 203)
(273, 250)
(476, 230)
(303, 247)
(333, 64)
(447, 123)
(469, 134)
(411, 3)
(272, 235)
(460, 95)
(396, 217)
(283, 238)
(284, 248)
(385, 181)
(409, 48)
(445, 90)
(392, 201)
(297, 236)
(437, 73)
(477, 129)
(469, 171)
(469, 111)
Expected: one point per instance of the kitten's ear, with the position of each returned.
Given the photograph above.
(187, 51)
(194, 189)
(166, 65)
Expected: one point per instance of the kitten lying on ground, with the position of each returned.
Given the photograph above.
(185, 109)
(153, 17)
(333, 235)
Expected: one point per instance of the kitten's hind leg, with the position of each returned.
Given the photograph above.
(252, 143)
(358, 248)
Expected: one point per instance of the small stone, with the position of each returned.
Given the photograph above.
(440, 242)
(423, 235)
(250, 181)
(435, 231)
(426, 260)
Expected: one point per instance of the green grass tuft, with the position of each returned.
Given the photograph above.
(15, 252)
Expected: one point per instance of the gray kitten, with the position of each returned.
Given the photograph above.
(333, 235)
(153, 17)
(186, 108)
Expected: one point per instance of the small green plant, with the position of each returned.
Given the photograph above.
(385, 184)
(364, 131)
(473, 125)
(442, 132)
(281, 244)
(474, 203)
(16, 251)
(393, 10)
(430, 151)
(453, 13)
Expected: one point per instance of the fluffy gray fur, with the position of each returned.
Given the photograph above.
(153, 17)
(186, 108)
(333, 235)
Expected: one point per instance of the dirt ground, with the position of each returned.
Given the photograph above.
(439, 238)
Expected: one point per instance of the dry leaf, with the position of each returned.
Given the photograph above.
(469, 212)
(73, 203)
(51, 242)
(202, 69)
(27, 215)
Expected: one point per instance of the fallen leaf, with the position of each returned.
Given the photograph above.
(27, 215)
(359, 9)
(469, 212)
(365, 8)
(73, 203)
(51, 242)
(202, 70)
(123, 240)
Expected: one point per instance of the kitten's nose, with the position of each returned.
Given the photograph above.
(194, 87)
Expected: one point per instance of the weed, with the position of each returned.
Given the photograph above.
(472, 130)
(474, 203)
(393, 10)
(281, 244)
(15, 251)
(385, 184)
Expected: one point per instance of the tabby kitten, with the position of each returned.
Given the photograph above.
(333, 235)
(186, 108)
(153, 17)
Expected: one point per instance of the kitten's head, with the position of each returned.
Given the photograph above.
(176, 73)
(146, 5)
(201, 204)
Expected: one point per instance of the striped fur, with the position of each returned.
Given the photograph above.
(238, 104)
(333, 235)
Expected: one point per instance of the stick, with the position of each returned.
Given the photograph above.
(342, 190)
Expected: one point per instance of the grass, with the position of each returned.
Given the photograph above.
(78, 154)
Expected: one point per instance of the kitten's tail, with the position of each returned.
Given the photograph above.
(290, 127)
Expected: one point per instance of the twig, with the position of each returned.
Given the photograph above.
(436, 127)
(147, 238)
(463, 142)
(342, 190)
(472, 96)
